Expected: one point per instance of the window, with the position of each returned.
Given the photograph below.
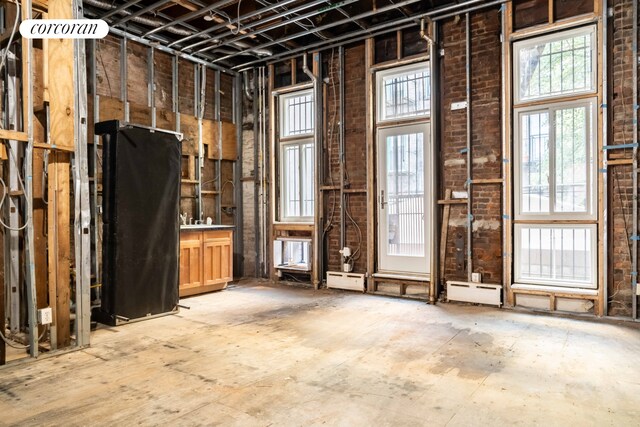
(557, 65)
(556, 255)
(297, 157)
(404, 92)
(296, 114)
(555, 160)
(556, 172)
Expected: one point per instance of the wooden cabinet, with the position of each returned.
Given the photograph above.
(206, 260)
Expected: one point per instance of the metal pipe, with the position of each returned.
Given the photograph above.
(256, 174)
(278, 25)
(469, 157)
(341, 150)
(151, 88)
(360, 35)
(140, 12)
(423, 34)
(317, 170)
(237, 177)
(245, 85)
(605, 131)
(634, 266)
(118, 9)
(234, 21)
(434, 124)
(32, 306)
(504, 104)
(123, 77)
(324, 27)
(190, 16)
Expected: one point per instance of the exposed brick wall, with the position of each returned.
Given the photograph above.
(186, 87)
(355, 156)
(620, 181)
(485, 140)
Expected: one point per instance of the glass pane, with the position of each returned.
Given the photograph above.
(291, 179)
(534, 128)
(571, 148)
(307, 179)
(405, 195)
(557, 67)
(298, 115)
(406, 95)
(562, 254)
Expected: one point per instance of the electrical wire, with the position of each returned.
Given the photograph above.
(15, 345)
(235, 33)
(5, 191)
(13, 33)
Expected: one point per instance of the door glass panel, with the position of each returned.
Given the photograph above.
(405, 195)
(535, 162)
(571, 160)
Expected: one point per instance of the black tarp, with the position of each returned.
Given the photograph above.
(141, 202)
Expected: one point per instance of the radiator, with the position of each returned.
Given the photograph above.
(480, 293)
(348, 281)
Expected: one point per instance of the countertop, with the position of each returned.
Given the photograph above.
(199, 227)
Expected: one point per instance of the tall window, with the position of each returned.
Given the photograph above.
(296, 156)
(555, 153)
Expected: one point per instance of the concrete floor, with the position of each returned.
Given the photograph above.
(257, 354)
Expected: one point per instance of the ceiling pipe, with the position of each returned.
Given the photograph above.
(190, 16)
(234, 21)
(423, 33)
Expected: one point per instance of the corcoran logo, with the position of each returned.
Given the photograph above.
(64, 29)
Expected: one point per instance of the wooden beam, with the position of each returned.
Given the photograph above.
(445, 231)
(40, 231)
(14, 135)
(60, 59)
(59, 224)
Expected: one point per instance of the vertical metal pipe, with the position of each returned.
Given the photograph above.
(265, 173)
(237, 177)
(94, 172)
(634, 267)
(434, 161)
(256, 174)
(82, 214)
(123, 78)
(504, 104)
(605, 134)
(469, 157)
(218, 115)
(28, 166)
(341, 150)
(175, 90)
(151, 90)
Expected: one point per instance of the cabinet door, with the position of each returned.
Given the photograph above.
(217, 255)
(191, 261)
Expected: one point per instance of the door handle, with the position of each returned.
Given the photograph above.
(382, 202)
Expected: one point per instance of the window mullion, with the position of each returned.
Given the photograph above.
(552, 161)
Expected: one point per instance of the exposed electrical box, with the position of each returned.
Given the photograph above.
(45, 316)
(458, 105)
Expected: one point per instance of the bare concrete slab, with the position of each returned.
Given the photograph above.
(258, 354)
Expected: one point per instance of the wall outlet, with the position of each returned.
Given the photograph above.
(476, 277)
(45, 316)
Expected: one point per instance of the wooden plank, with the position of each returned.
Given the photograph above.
(507, 265)
(452, 202)
(139, 114)
(59, 223)
(15, 135)
(445, 231)
(60, 57)
(189, 129)
(40, 231)
(619, 162)
(111, 109)
(488, 181)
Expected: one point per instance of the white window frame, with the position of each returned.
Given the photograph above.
(283, 122)
(399, 71)
(300, 142)
(556, 282)
(517, 46)
(591, 213)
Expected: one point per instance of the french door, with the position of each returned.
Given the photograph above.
(403, 194)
